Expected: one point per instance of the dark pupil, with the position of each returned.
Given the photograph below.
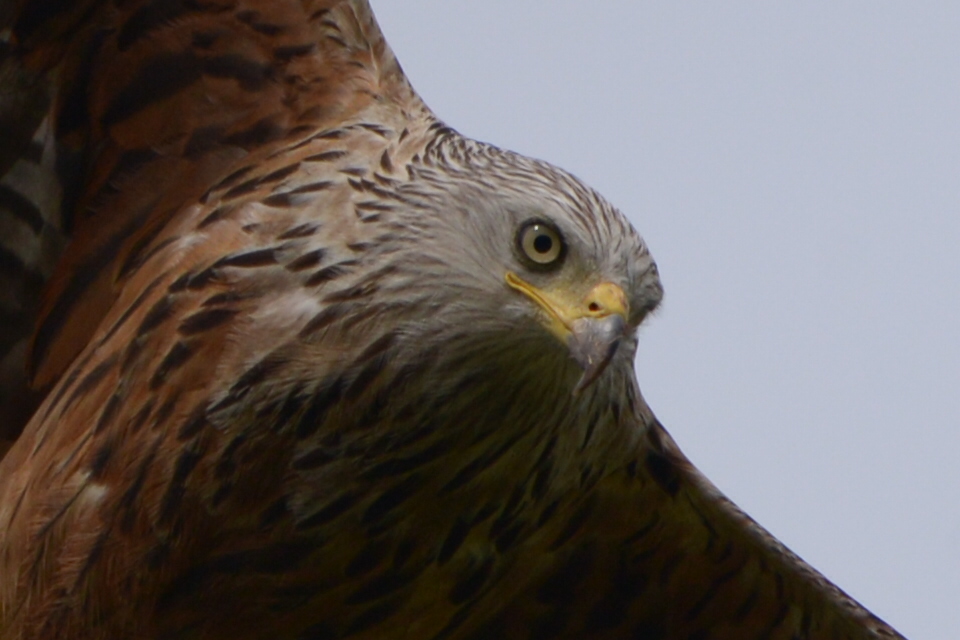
(542, 243)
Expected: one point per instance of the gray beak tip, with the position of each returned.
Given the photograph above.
(593, 343)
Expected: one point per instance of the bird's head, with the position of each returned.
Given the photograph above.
(518, 248)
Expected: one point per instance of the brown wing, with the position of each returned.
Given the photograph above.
(661, 553)
(237, 83)
(176, 99)
(206, 132)
(30, 228)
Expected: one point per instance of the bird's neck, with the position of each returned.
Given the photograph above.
(470, 437)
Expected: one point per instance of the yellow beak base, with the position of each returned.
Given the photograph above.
(591, 328)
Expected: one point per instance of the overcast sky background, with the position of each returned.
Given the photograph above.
(795, 169)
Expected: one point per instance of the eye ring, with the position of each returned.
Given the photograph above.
(541, 244)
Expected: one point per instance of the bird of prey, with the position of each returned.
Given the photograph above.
(315, 366)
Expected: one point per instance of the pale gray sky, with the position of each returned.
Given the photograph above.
(795, 169)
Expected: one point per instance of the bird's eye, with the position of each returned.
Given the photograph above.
(541, 243)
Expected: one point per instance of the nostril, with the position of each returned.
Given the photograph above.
(603, 300)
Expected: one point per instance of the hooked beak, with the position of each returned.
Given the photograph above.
(592, 328)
